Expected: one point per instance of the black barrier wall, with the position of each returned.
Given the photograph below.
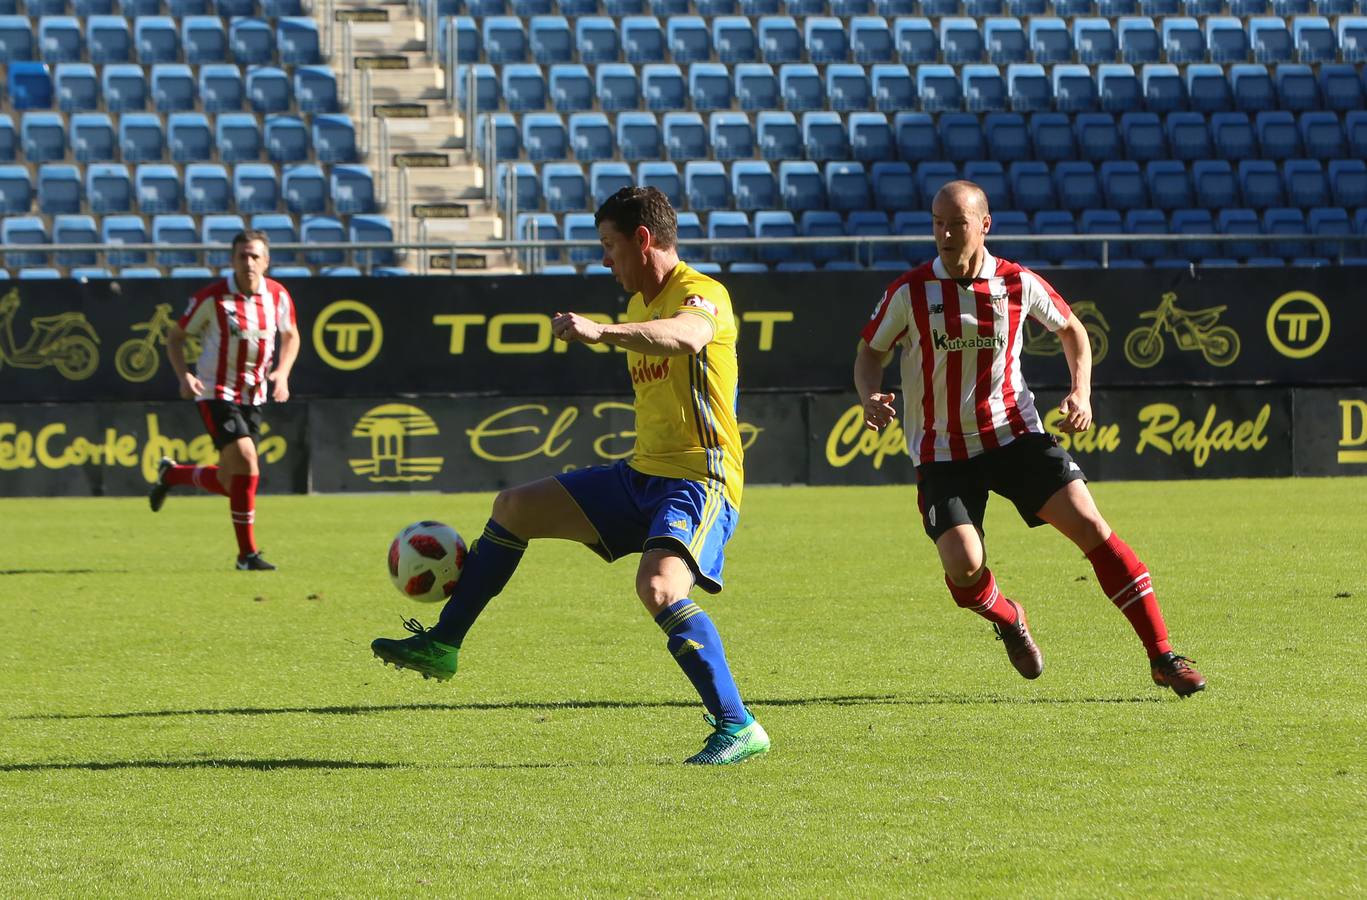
(468, 444)
(377, 338)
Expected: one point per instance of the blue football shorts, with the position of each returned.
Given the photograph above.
(633, 513)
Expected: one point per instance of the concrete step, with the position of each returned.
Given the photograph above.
(451, 184)
(398, 35)
(406, 85)
(434, 134)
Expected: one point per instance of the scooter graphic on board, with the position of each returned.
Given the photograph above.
(65, 340)
(138, 358)
(1040, 341)
(1195, 330)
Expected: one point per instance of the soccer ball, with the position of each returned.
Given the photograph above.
(425, 560)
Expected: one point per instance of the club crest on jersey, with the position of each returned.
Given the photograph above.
(998, 300)
(697, 302)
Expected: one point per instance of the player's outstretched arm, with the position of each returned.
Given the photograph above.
(868, 382)
(680, 335)
(1077, 404)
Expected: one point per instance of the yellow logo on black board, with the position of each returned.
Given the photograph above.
(389, 427)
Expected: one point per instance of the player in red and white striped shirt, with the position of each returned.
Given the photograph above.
(237, 320)
(972, 426)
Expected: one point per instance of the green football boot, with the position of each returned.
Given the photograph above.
(725, 746)
(421, 652)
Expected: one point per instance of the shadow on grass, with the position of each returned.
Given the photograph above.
(552, 705)
(259, 764)
(60, 571)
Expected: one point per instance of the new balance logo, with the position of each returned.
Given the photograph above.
(688, 646)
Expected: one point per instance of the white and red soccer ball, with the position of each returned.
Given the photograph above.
(425, 560)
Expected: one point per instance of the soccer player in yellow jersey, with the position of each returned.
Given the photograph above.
(675, 501)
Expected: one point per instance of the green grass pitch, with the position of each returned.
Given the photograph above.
(170, 727)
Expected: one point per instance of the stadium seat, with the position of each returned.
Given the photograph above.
(203, 39)
(572, 89)
(75, 229)
(188, 137)
(823, 223)
(709, 86)
(43, 136)
(486, 86)
(1052, 134)
(564, 186)
(16, 39)
(1182, 40)
(220, 87)
(706, 185)
(578, 226)
(1074, 88)
(156, 187)
(607, 177)
(1330, 222)
(638, 136)
(1004, 40)
(125, 87)
(1306, 185)
(776, 224)
(1278, 136)
(847, 87)
(824, 37)
(1252, 87)
(961, 137)
(1321, 135)
(1297, 88)
(664, 176)
(991, 177)
(26, 231)
(207, 189)
(108, 39)
(961, 40)
(1096, 222)
(778, 135)
(1142, 133)
(141, 138)
(1168, 183)
(75, 85)
(1164, 89)
(1076, 186)
(938, 88)
(1122, 185)
(463, 33)
(1348, 182)
(984, 89)
(286, 138)
(1239, 221)
(334, 138)
(1208, 89)
(1098, 138)
(92, 137)
(173, 88)
(1192, 221)
(1260, 183)
(801, 87)
(59, 39)
(1031, 185)
(800, 186)
(685, 136)
(1029, 88)
(1137, 40)
(753, 185)
(1341, 88)
(617, 87)
(756, 86)
(688, 39)
(156, 39)
(731, 135)
(591, 136)
(551, 40)
(524, 87)
(1355, 128)
(779, 40)
(870, 40)
(315, 89)
(250, 42)
(1094, 41)
(1285, 221)
(1148, 221)
(1270, 40)
(734, 40)
(1352, 38)
(894, 187)
(1049, 40)
(1232, 136)
(526, 189)
(256, 188)
(871, 137)
(304, 189)
(280, 229)
(1118, 88)
(1226, 40)
(1314, 39)
(723, 227)
(320, 230)
(847, 186)
(643, 39)
(824, 136)
(1005, 133)
(16, 190)
(124, 229)
(237, 137)
(504, 39)
(59, 189)
(1187, 135)
(544, 136)
(1214, 184)
(915, 40)
(219, 229)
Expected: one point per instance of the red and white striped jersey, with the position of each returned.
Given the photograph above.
(962, 387)
(238, 332)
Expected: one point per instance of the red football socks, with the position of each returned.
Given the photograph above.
(242, 499)
(1126, 581)
(984, 598)
(203, 477)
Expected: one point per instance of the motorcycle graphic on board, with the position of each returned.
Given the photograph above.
(138, 358)
(1194, 330)
(66, 341)
(1040, 341)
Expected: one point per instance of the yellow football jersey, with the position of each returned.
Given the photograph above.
(686, 405)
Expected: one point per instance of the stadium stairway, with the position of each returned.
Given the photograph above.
(435, 192)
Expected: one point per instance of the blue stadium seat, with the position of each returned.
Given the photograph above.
(989, 175)
(280, 229)
(916, 136)
(543, 226)
(16, 39)
(1348, 182)
(1143, 135)
(1182, 40)
(938, 88)
(980, 9)
(225, 8)
(59, 39)
(961, 40)
(1226, 40)
(1252, 86)
(572, 89)
(1005, 42)
(156, 40)
(1076, 185)
(1164, 89)
(304, 189)
(141, 138)
(464, 33)
(1074, 88)
(43, 136)
(503, 128)
(75, 84)
(916, 40)
(59, 189)
(524, 87)
(334, 138)
(706, 185)
(1352, 38)
(1148, 221)
(207, 188)
(874, 223)
(26, 231)
(1056, 222)
(1214, 184)
(1270, 39)
(237, 137)
(125, 87)
(1193, 221)
(753, 185)
(664, 176)
(1005, 222)
(1098, 138)
(777, 224)
(219, 229)
(1278, 136)
(92, 137)
(157, 188)
(1168, 183)
(16, 190)
(756, 86)
(486, 86)
(1029, 88)
(617, 86)
(1232, 135)
(1031, 185)
(591, 136)
(1239, 221)
(1260, 183)
(505, 40)
(752, 8)
(1208, 88)
(723, 226)
(1285, 221)
(1341, 88)
(108, 39)
(984, 89)
(638, 136)
(564, 187)
(801, 186)
(688, 39)
(256, 188)
(73, 229)
(125, 229)
(1315, 40)
(273, 9)
(847, 87)
(315, 89)
(778, 135)
(188, 137)
(779, 40)
(643, 39)
(203, 39)
(1137, 40)
(551, 40)
(250, 42)
(734, 40)
(871, 40)
(526, 190)
(1005, 133)
(1052, 135)
(1093, 40)
(372, 228)
(1188, 136)
(1330, 222)
(685, 135)
(1297, 88)
(825, 39)
(1122, 185)
(220, 87)
(203, 273)
(1049, 40)
(871, 137)
(824, 137)
(1305, 182)
(847, 186)
(1355, 127)
(578, 226)
(1118, 88)
(801, 87)
(1322, 135)
(173, 88)
(894, 187)
(544, 136)
(1243, 9)
(607, 177)
(822, 223)
(961, 137)
(1099, 221)
(709, 86)
(732, 135)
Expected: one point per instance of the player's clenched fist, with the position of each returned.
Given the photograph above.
(879, 411)
(571, 327)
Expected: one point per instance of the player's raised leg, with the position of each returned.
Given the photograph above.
(1125, 580)
(170, 474)
(974, 587)
(539, 509)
